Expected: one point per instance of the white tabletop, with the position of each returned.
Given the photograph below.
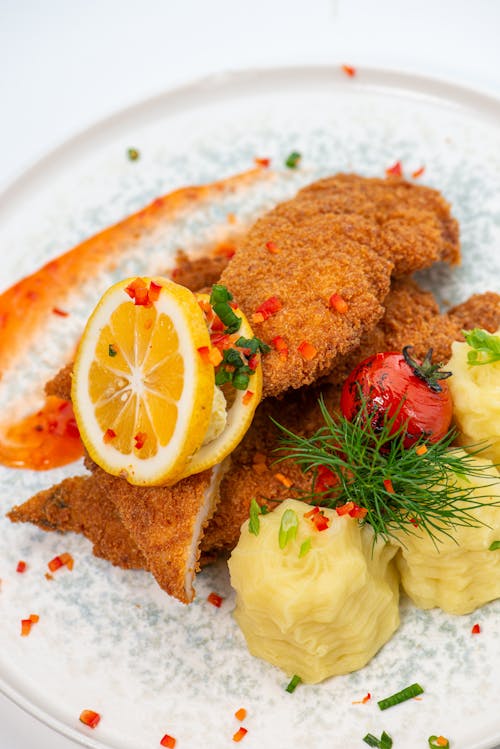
(64, 65)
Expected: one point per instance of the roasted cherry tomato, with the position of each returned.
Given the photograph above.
(394, 383)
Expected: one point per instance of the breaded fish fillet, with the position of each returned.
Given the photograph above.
(345, 235)
(85, 505)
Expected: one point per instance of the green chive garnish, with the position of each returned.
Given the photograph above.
(226, 314)
(288, 527)
(219, 293)
(304, 547)
(293, 159)
(241, 380)
(254, 523)
(223, 376)
(133, 154)
(384, 742)
(294, 683)
(112, 350)
(485, 347)
(494, 546)
(253, 344)
(405, 694)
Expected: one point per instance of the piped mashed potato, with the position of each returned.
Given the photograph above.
(456, 574)
(321, 614)
(476, 400)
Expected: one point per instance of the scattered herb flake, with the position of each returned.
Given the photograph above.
(384, 742)
(254, 522)
(133, 154)
(439, 742)
(293, 160)
(305, 547)
(288, 527)
(494, 546)
(293, 684)
(405, 694)
(112, 350)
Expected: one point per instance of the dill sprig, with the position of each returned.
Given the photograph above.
(403, 489)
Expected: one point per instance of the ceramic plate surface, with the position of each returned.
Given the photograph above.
(110, 640)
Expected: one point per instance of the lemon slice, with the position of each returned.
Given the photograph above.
(142, 393)
(239, 413)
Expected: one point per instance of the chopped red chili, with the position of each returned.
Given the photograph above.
(62, 560)
(476, 629)
(349, 70)
(142, 294)
(247, 397)
(262, 162)
(240, 733)
(215, 600)
(418, 172)
(240, 714)
(325, 479)
(338, 303)
(34, 618)
(272, 247)
(396, 170)
(388, 486)
(318, 519)
(421, 449)
(307, 350)
(267, 308)
(226, 250)
(168, 741)
(90, 718)
(60, 312)
(280, 345)
(108, 435)
(21, 566)
(283, 480)
(139, 440)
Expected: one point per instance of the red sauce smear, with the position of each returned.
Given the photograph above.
(46, 439)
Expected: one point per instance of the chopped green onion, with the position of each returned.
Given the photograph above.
(228, 317)
(253, 344)
(133, 154)
(232, 357)
(254, 523)
(219, 293)
(288, 527)
(433, 742)
(293, 159)
(494, 546)
(223, 376)
(485, 347)
(384, 742)
(112, 350)
(294, 683)
(304, 547)
(241, 380)
(405, 694)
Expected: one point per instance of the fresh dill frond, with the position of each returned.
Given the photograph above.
(402, 489)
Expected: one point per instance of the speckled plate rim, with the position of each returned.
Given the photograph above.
(219, 87)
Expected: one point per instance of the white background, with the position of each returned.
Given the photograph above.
(66, 63)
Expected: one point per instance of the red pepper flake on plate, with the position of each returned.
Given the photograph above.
(62, 560)
(142, 294)
(60, 312)
(264, 162)
(349, 70)
(240, 733)
(476, 629)
(365, 699)
(215, 600)
(418, 172)
(396, 170)
(281, 346)
(272, 247)
(21, 566)
(240, 714)
(168, 741)
(89, 718)
(139, 440)
(247, 397)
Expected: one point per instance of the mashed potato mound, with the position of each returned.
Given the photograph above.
(322, 614)
(457, 574)
(476, 400)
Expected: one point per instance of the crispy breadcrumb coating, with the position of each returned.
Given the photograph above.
(345, 235)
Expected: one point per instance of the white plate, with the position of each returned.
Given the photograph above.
(110, 640)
